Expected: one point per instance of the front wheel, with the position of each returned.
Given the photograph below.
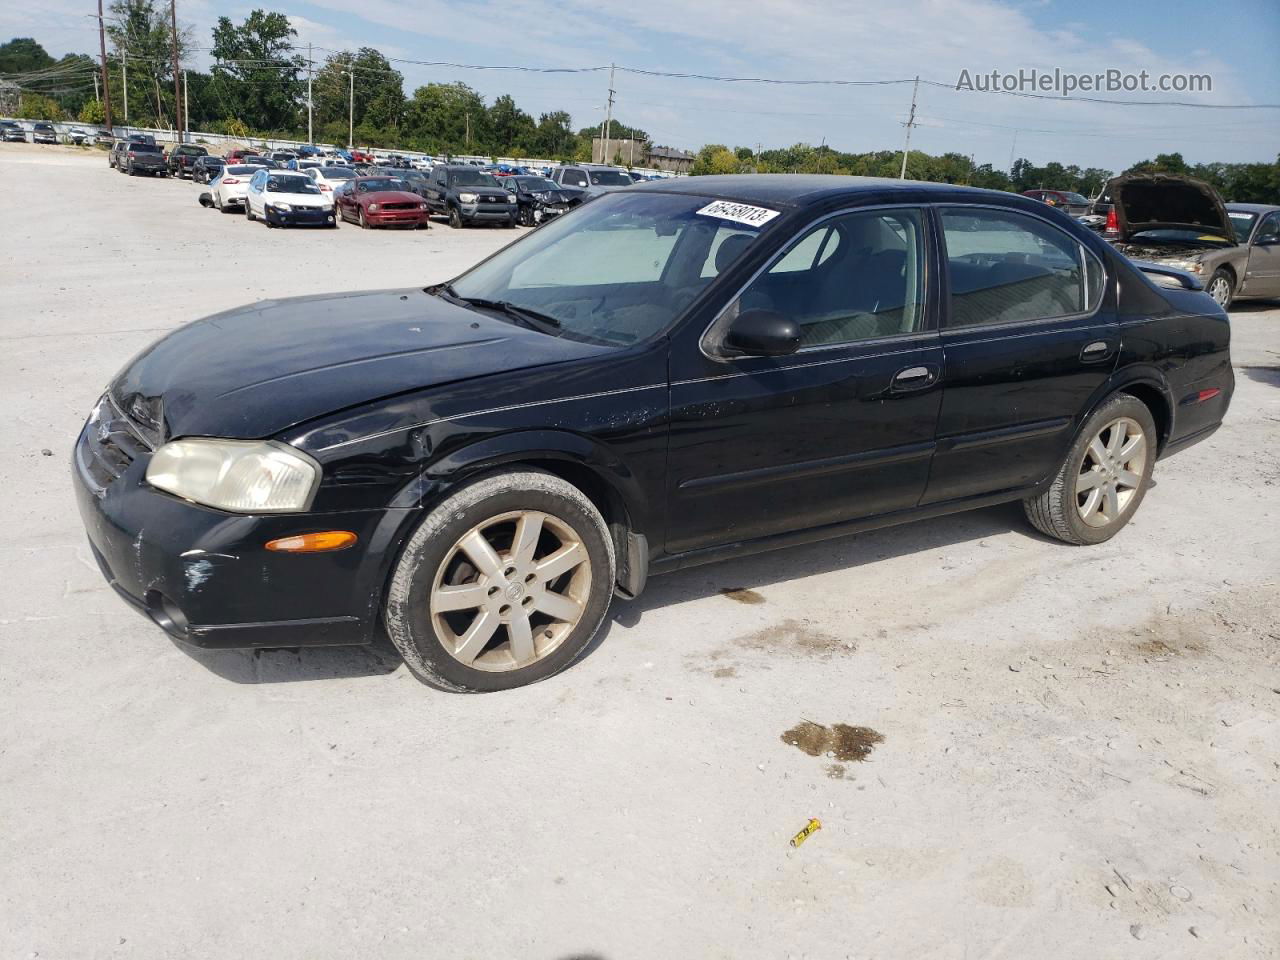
(455, 218)
(1104, 477)
(364, 222)
(1219, 287)
(248, 211)
(504, 583)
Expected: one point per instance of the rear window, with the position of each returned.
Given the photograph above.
(144, 148)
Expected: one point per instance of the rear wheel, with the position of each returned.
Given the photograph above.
(1219, 287)
(503, 584)
(1104, 477)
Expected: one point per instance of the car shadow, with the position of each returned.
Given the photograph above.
(296, 664)
(1253, 306)
(1268, 375)
(842, 553)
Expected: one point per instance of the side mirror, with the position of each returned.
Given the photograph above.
(763, 333)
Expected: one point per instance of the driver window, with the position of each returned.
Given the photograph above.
(1269, 232)
(854, 277)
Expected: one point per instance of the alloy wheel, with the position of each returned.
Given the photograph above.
(1111, 471)
(510, 590)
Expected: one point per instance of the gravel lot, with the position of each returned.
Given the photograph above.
(1080, 753)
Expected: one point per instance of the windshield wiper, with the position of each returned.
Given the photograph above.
(529, 318)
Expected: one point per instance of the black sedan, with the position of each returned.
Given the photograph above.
(539, 198)
(683, 371)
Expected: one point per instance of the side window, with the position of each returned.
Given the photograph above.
(856, 277)
(720, 256)
(1006, 267)
(1269, 231)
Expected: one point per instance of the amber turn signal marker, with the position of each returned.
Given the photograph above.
(325, 542)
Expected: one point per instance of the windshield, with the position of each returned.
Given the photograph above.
(536, 184)
(616, 271)
(291, 185)
(378, 184)
(1242, 223)
(610, 178)
(1179, 236)
(338, 173)
(471, 178)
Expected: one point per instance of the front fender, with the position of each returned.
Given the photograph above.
(551, 447)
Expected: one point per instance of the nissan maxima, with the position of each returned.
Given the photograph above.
(671, 374)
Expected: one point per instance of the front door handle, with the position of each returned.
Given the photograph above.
(1095, 351)
(915, 378)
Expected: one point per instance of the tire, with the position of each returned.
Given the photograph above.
(433, 558)
(1220, 288)
(364, 224)
(455, 218)
(527, 216)
(1063, 511)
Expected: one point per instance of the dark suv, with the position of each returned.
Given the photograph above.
(467, 195)
(182, 159)
(43, 132)
(11, 132)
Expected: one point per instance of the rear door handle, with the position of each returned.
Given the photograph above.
(915, 378)
(1095, 351)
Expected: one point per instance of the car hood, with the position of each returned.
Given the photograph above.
(486, 191)
(1167, 202)
(298, 199)
(390, 196)
(257, 370)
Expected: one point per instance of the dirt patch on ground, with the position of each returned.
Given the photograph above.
(798, 635)
(839, 741)
(742, 595)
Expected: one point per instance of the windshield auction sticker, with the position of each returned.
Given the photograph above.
(738, 213)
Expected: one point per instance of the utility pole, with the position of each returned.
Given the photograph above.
(124, 78)
(102, 44)
(911, 122)
(1012, 147)
(173, 42)
(351, 105)
(186, 114)
(310, 135)
(96, 95)
(468, 137)
(608, 120)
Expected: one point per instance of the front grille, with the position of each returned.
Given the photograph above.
(399, 206)
(111, 444)
(484, 199)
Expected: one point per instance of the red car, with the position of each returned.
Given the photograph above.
(361, 156)
(380, 202)
(1068, 201)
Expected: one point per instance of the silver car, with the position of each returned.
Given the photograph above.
(1181, 222)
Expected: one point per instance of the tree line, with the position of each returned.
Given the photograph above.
(257, 89)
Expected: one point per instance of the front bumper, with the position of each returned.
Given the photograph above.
(205, 576)
(397, 218)
(301, 216)
(488, 212)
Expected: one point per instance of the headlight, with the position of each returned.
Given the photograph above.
(541, 196)
(511, 198)
(240, 476)
(467, 197)
(283, 207)
(422, 206)
(373, 206)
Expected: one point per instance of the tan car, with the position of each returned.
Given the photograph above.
(1179, 222)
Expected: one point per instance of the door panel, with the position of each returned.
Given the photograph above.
(1262, 276)
(841, 430)
(784, 446)
(1016, 377)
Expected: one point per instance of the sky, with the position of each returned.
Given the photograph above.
(1236, 42)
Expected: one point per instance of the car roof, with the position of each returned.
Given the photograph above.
(806, 189)
(1251, 207)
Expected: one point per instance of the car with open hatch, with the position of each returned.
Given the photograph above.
(668, 375)
(1179, 222)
